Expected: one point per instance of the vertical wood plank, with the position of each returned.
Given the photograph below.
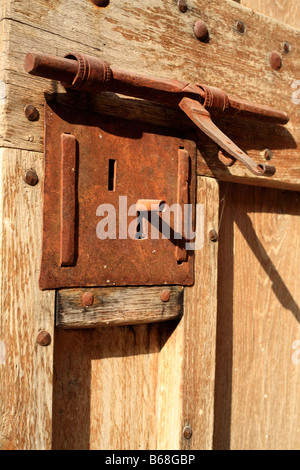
(170, 372)
(25, 366)
(258, 367)
(199, 326)
(109, 376)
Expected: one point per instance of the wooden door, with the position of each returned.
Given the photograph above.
(226, 374)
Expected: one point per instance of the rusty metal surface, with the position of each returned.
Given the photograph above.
(201, 117)
(92, 74)
(275, 60)
(81, 72)
(146, 168)
(201, 31)
(68, 199)
(31, 112)
(30, 177)
(43, 338)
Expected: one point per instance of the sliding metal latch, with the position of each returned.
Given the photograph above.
(200, 103)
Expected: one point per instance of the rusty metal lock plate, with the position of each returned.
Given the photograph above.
(94, 165)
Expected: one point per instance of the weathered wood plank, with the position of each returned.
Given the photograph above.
(26, 367)
(169, 388)
(199, 329)
(110, 377)
(187, 393)
(117, 306)
(229, 58)
(258, 367)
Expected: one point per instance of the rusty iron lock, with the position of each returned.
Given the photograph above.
(199, 102)
(92, 159)
(94, 164)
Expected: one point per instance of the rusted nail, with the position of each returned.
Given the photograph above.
(100, 3)
(187, 432)
(213, 236)
(268, 154)
(31, 112)
(30, 177)
(43, 338)
(275, 60)
(201, 31)
(287, 47)
(240, 26)
(88, 299)
(165, 295)
(182, 5)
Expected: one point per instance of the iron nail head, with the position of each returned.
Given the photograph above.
(187, 432)
(268, 154)
(165, 295)
(240, 26)
(201, 31)
(213, 236)
(43, 338)
(31, 112)
(182, 5)
(30, 177)
(275, 60)
(287, 47)
(87, 299)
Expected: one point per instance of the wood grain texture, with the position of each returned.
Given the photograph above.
(258, 368)
(137, 386)
(117, 306)
(152, 41)
(96, 372)
(26, 372)
(199, 329)
(187, 394)
(109, 376)
(286, 11)
(163, 372)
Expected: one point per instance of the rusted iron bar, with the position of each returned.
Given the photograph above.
(91, 74)
(68, 202)
(80, 72)
(51, 67)
(199, 102)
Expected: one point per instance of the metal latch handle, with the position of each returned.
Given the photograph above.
(199, 102)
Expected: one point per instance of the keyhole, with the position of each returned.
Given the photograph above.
(111, 174)
(140, 235)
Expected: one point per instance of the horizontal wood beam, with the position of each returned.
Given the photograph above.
(237, 63)
(107, 306)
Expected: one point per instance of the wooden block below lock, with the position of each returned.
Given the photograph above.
(107, 306)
